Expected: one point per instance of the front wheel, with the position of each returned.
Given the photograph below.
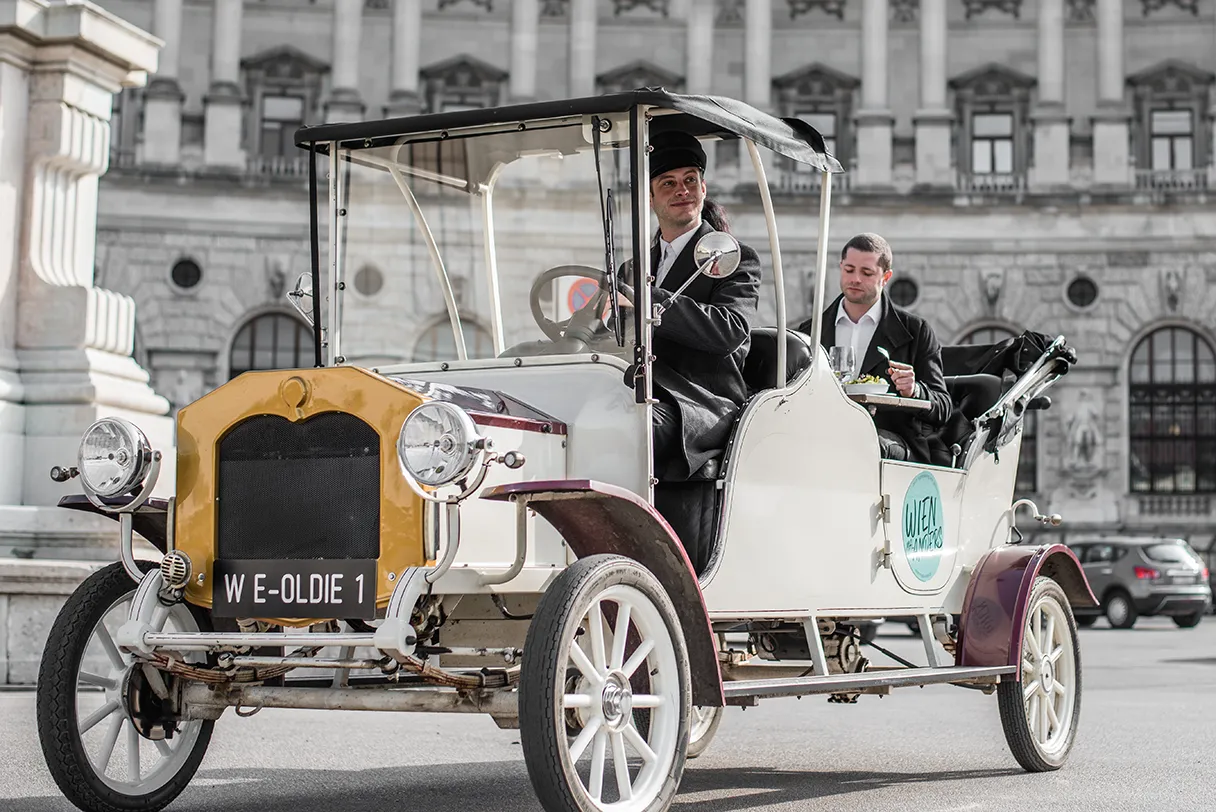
(608, 619)
(93, 749)
(1039, 712)
(1188, 621)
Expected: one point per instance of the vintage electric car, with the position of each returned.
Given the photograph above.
(486, 534)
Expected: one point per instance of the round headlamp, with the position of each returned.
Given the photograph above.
(114, 457)
(438, 443)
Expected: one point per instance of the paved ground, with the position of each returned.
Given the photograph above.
(1148, 730)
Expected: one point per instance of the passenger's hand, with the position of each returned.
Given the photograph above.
(622, 300)
(904, 378)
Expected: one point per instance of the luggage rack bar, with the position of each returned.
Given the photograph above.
(209, 640)
(846, 683)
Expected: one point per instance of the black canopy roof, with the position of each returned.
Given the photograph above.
(700, 115)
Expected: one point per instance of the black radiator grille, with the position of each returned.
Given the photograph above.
(299, 490)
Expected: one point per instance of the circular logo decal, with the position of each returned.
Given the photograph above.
(923, 526)
(582, 292)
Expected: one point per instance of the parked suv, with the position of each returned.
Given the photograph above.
(1134, 576)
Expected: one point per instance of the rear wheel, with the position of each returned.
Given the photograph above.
(1039, 712)
(609, 619)
(705, 723)
(1188, 621)
(93, 749)
(1120, 611)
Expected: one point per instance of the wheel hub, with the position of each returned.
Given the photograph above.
(1046, 676)
(616, 700)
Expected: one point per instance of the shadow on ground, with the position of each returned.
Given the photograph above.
(501, 785)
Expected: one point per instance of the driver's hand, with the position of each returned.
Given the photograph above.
(622, 300)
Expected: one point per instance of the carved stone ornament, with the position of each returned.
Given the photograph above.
(658, 6)
(1080, 11)
(730, 12)
(1083, 446)
(276, 278)
(904, 11)
(1172, 284)
(553, 8)
(488, 5)
(992, 283)
(833, 7)
(1149, 6)
(974, 7)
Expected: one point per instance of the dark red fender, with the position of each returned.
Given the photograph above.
(148, 521)
(994, 608)
(596, 518)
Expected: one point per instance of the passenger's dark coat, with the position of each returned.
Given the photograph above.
(700, 346)
(908, 338)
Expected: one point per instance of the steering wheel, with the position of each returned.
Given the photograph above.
(584, 326)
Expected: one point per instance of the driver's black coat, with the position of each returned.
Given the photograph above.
(700, 346)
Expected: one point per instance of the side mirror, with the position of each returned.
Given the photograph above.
(301, 297)
(717, 255)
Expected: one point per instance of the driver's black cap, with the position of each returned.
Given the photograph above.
(675, 149)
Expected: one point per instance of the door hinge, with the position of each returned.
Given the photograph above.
(886, 507)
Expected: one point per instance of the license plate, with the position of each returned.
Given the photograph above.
(314, 588)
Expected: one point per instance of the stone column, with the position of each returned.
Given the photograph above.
(404, 99)
(700, 61)
(1112, 158)
(222, 123)
(525, 40)
(757, 54)
(1051, 122)
(1212, 123)
(874, 119)
(72, 340)
(934, 167)
(163, 98)
(583, 22)
(344, 103)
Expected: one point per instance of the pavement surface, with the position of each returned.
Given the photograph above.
(1145, 742)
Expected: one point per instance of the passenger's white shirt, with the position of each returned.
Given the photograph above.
(668, 251)
(859, 334)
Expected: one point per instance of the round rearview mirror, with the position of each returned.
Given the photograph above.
(301, 296)
(717, 254)
(304, 285)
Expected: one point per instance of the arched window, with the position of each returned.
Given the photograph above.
(1028, 459)
(438, 344)
(1172, 413)
(270, 341)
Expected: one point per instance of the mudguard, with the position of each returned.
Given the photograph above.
(149, 520)
(994, 607)
(596, 518)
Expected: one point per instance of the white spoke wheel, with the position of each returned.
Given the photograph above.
(705, 721)
(608, 620)
(91, 745)
(1039, 712)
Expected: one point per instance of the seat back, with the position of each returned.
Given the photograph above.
(760, 368)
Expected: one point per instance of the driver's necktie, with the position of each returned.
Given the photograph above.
(664, 265)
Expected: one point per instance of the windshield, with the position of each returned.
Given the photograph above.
(502, 232)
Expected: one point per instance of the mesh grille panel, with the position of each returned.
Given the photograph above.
(299, 490)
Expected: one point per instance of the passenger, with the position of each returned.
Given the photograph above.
(702, 341)
(864, 317)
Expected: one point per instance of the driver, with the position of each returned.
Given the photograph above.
(702, 341)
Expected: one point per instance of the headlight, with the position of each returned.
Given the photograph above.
(438, 443)
(114, 456)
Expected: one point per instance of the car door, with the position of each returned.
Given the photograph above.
(1098, 564)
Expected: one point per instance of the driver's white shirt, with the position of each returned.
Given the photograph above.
(668, 251)
(858, 334)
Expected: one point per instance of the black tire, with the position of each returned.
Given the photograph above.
(1188, 621)
(58, 725)
(542, 720)
(867, 632)
(1085, 621)
(1015, 708)
(703, 729)
(1120, 611)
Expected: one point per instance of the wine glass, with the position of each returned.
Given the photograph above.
(843, 360)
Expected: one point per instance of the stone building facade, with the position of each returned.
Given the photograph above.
(1036, 164)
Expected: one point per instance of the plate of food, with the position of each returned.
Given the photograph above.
(867, 385)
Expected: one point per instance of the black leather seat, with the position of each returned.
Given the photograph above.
(760, 368)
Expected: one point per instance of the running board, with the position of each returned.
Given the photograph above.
(851, 683)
